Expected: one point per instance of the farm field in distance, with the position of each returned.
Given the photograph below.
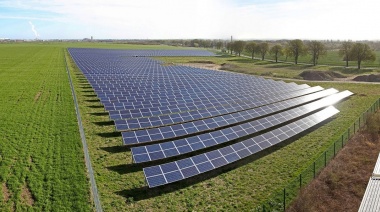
(41, 150)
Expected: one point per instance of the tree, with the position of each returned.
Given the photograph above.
(238, 46)
(287, 51)
(219, 44)
(263, 49)
(277, 51)
(362, 52)
(230, 47)
(251, 47)
(296, 48)
(345, 50)
(316, 49)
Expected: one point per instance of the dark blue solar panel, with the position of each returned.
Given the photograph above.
(228, 154)
(229, 134)
(209, 124)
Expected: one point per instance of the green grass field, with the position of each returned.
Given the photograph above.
(41, 148)
(41, 158)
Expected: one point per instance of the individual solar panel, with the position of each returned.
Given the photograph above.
(190, 144)
(178, 170)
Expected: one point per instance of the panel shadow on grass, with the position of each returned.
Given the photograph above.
(126, 168)
(95, 106)
(99, 114)
(145, 192)
(92, 100)
(109, 134)
(116, 149)
(87, 91)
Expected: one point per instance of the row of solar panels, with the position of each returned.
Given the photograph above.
(173, 148)
(229, 107)
(249, 106)
(371, 198)
(209, 98)
(213, 122)
(176, 111)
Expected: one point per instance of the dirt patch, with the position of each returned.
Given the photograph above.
(227, 66)
(320, 75)
(203, 65)
(368, 78)
(37, 96)
(6, 193)
(341, 185)
(26, 196)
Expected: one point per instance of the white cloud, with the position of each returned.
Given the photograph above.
(305, 19)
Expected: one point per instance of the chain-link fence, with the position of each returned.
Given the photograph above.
(283, 198)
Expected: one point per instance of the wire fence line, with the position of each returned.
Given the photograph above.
(94, 189)
(281, 199)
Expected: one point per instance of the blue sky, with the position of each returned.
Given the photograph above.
(177, 19)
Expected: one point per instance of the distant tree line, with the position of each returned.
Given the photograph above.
(350, 51)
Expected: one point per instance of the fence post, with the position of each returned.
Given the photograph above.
(342, 141)
(325, 158)
(300, 180)
(348, 134)
(314, 169)
(359, 122)
(334, 149)
(363, 118)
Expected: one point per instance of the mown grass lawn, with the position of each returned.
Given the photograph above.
(41, 158)
(242, 186)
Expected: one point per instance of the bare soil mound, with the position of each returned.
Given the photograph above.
(320, 75)
(368, 78)
(226, 66)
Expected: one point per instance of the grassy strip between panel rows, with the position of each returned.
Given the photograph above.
(283, 198)
(243, 186)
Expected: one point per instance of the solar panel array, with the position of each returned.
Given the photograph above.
(371, 198)
(164, 111)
